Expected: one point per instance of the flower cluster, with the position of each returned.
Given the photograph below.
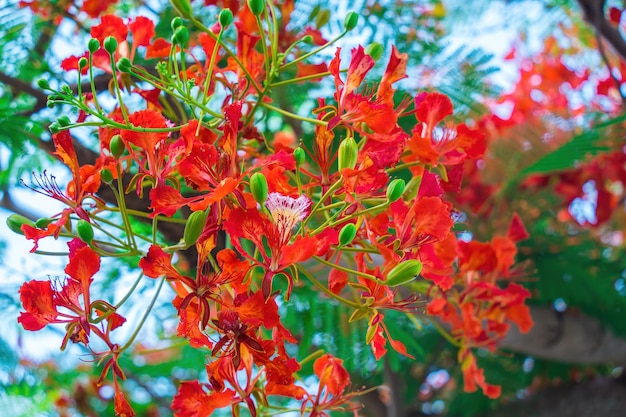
(357, 210)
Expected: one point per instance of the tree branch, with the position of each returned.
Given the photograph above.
(594, 14)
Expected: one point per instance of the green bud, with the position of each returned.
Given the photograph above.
(43, 84)
(106, 175)
(403, 272)
(50, 104)
(183, 7)
(93, 45)
(258, 187)
(347, 234)
(226, 18)
(64, 121)
(299, 155)
(43, 222)
(176, 22)
(322, 18)
(54, 127)
(16, 221)
(84, 230)
(395, 189)
(82, 62)
(308, 39)
(348, 153)
(375, 50)
(194, 227)
(350, 22)
(116, 146)
(181, 36)
(124, 64)
(370, 333)
(110, 44)
(256, 6)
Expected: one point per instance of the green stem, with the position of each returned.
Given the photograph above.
(347, 270)
(326, 290)
(300, 79)
(293, 115)
(116, 85)
(313, 52)
(130, 291)
(145, 317)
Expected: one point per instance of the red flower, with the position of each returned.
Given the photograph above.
(193, 401)
(331, 394)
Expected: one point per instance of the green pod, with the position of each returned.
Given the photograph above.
(348, 153)
(375, 50)
(395, 189)
(84, 230)
(110, 44)
(124, 64)
(93, 45)
(194, 227)
(64, 121)
(82, 62)
(225, 18)
(256, 6)
(43, 84)
(43, 222)
(106, 175)
(350, 21)
(299, 155)
(403, 272)
(181, 36)
(116, 146)
(258, 187)
(16, 221)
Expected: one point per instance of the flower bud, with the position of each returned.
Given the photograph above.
(43, 84)
(54, 128)
(43, 222)
(106, 175)
(183, 7)
(348, 153)
(176, 22)
(299, 155)
(82, 63)
(110, 44)
(124, 64)
(226, 18)
(403, 272)
(347, 234)
(395, 189)
(375, 50)
(256, 6)
(322, 18)
(181, 36)
(93, 45)
(64, 121)
(258, 187)
(194, 227)
(16, 221)
(116, 146)
(84, 230)
(308, 39)
(350, 22)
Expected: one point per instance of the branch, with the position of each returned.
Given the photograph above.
(594, 15)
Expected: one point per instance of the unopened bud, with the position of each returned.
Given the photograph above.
(93, 45)
(194, 227)
(63, 121)
(82, 63)
(43, 84)
(54, 127)
(256, 6)
(351, 20)
(258, 187)
(183, 7)
(181, 36)
(110, 44)
(106, 175)
(403, 272)
(375, 50)
(124, 64)
(299, 155)
(226, 18)
(347, 234)
(176, 22)
(116, 146)
(16, 221)
(43, 222)
(84, 230)
(348, 153)
(395, 189)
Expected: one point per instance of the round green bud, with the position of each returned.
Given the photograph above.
(403, 272)
(308, 39)
(176, 22)
(43, 222)
(351, 20)
(299, 155)
(183, 7)
(84, 230)
(16, 221)
(110, 44)
(256, 6)
(348, 153)
(64, 121)
(258, 187)
(82, 62)
(347, 234)
(43, 84)
(181, 36)
(395, 189)
(50, 104)
(93, 45)
(106, 175)
(194, 227)
(226, 18)
(124, 64)
(375, 50)
(116, 146)
(54, 128)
